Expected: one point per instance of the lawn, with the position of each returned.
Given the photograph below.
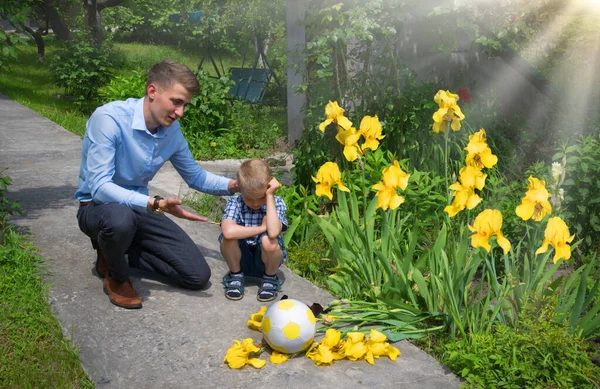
(33, 351)
(30, 83)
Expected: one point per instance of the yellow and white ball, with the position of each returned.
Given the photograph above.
(289, 326)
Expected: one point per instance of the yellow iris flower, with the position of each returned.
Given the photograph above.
(349, 138)
(255, 322)
(329, 349)
(535, 204)
(238, 355)
(393, 177)
(328, 176)
(557, 234)
(464, 196)
(370, 129)
(355, 347)
(448, 111)
(487, 224)
(321, 355)
(479, 153)
(335, 114)
(276, 357)
(332, 338)
(377, 346)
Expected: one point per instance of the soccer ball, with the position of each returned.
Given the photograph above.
(289, 326)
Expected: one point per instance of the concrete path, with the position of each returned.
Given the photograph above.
(179, 338)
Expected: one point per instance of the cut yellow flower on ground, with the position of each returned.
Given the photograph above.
(238, 355)
(448, 112)
(479, 153)
(487, 224)
(535, 204)
(354, 346)
(378, 346)
(557, 235)
(335, 114)
(329, 175)
(349, 138)
(393, 178)
(370, 129)
(255, 322)
(320, 355)
(277, 357)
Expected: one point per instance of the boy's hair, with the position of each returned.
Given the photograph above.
(168, 72)
(253, 175)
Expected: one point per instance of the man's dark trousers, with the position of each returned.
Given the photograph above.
(152, 242)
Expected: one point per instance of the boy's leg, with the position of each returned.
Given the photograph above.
(161, 246)
(272, 255)
(230, 249)
(233, 281)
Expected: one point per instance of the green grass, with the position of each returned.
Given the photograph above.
(30, 84)
(142, 56)
(33, 351)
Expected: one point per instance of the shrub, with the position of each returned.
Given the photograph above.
(581, 206)
(210, 111)
(7, 207)
(124, 87)
(81, 68)
(310, 261)
(539, 353)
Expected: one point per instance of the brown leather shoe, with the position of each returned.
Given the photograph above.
(121, 293)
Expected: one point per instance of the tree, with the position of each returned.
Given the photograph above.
(16, 13)
(92, 16)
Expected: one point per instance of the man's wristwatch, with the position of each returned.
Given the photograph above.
(155, 205)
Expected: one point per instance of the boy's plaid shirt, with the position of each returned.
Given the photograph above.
(243, 215)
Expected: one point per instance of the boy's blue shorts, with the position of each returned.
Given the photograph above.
(252, 264)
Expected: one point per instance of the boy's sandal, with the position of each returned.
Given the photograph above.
(234, 286)
(268, 289)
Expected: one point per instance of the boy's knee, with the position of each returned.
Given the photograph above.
(228, 242)
(270, 245)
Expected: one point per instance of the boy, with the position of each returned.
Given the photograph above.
(251, 240)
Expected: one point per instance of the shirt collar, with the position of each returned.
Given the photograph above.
(139, 123)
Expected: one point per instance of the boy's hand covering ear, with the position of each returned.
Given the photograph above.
(272, 186)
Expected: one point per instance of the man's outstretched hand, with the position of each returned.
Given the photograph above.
(173, 206)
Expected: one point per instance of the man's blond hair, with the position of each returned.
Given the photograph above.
(167, 73)
(253, 175)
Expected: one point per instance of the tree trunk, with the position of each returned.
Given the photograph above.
(92, 12)
(39, 41)
(92, 19)
(56, 22)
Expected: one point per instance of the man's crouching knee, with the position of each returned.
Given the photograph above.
(196, 280)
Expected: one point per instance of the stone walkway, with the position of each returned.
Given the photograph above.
(179, 339)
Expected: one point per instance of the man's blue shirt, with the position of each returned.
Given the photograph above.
(120, 156)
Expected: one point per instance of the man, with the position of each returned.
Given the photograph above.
(125, 144)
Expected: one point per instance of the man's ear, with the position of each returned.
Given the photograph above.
(151, 91)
